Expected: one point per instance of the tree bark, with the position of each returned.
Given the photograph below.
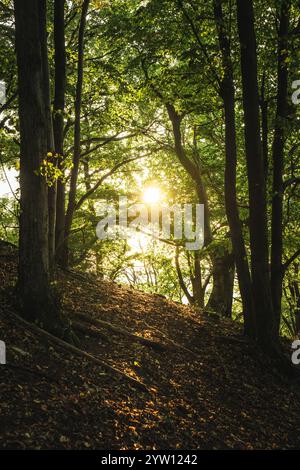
(198, 291)
(295, 294)
(37, 301)
(77, 134)
(220, 300)
(227, 93)
(264, 107)
(58, 120)
(278, 162)
(50, 140)
(266, 331)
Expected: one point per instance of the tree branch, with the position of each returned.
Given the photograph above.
(103, 178)
(290, 260)
(290, 182)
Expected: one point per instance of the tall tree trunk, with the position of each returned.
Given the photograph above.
(278, 161)
(227, 93)
(37, 302)
(52, 222)
(77, 134)
(264, 105)
(50, 145)
(58, 120)
(60, 222)
(266, 331)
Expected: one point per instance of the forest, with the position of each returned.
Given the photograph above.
(149, 225)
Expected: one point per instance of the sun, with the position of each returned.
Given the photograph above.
(151, 195)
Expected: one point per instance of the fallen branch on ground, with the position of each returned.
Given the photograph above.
(79, 352)
(79, 276)
(170, 341)
(232, 339)
(78, 326)
(122, 331)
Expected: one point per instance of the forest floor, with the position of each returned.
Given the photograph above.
(221, 394)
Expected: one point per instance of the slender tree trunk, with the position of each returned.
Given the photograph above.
(50, 144)
(92, 210)
(37, 302)
(220, 300)
(181, 280)
(198, 291)
(217, 300)
(58, 120)
(264, 126)
(266, 331)
(60, 222)
(227, 93)
(191, 169)
(195, 298)
(278, 162)
(77, 134)
(52, 222)
(295, 294)
(88, 185)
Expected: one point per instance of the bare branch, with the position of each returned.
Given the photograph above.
(291, 260)
(290, 182)
(103, 178)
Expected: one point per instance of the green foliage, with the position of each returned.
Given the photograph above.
(140, 56)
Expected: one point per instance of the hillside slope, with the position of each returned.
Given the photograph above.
(210, 390)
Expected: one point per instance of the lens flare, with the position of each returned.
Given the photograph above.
(151, 195)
